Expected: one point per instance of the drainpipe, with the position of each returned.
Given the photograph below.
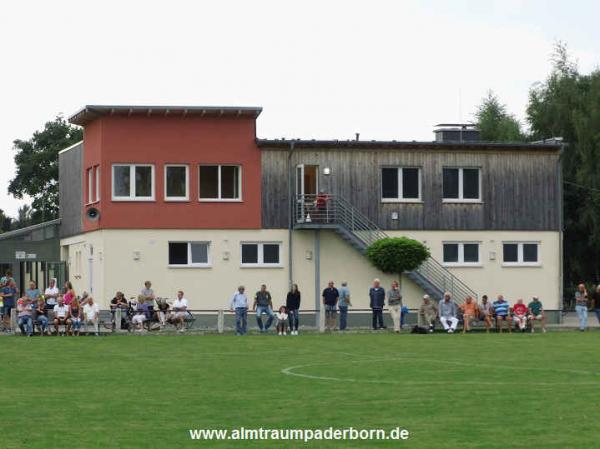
(561, 234)
(290, 214)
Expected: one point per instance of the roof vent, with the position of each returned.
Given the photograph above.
(456, 132)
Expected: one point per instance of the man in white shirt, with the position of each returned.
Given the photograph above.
(51, 293)
(179, 311)
(91, 312)
(61, 311)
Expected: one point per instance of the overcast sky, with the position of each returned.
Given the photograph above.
(320, 69)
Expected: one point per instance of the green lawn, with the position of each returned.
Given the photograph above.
(449, 391)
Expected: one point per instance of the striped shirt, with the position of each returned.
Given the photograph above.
(501, 308)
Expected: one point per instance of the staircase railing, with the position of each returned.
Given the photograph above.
(326, 209)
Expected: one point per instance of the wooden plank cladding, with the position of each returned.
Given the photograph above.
(519, 184)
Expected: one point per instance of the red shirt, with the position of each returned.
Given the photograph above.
(520, 309)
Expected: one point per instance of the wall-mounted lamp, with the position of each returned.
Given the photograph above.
(308, 255)
(394, 215)
(137, 255)
(492, 255)
(327, 171)
(225, 255)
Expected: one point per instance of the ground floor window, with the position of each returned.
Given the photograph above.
(461, 253)
(521, 253)
(190, 254)
(260, 254)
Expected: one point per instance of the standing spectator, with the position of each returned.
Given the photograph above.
(330, 297)
(520, 315)
(470, 313)
(5, 280)
(502, 312)
(51, 293)
(395, 306)
(292, 302)
(69, 293)
(9, 293)
(343, 304)
(486, 312)
(239, 304)
(180, 307)
(24, 320)
(263, 303)
(149, 297)
(595, 297)
(118, 310)
(581, 306)
(428, 313)
(61, 314)
(41, 316)
(91, 314)
(282, 319)
(536, 313)
(376, 302)
(448, 312)
(75, 317)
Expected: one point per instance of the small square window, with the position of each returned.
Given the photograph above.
(271, 253)
(178, 253)
(471, 252)
(451, 252)
(250, 253)
(511, 252)
(530, 252)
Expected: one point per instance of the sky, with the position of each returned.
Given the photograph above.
(320, 69)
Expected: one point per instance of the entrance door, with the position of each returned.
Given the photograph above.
(307, 187)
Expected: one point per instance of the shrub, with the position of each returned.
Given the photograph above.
(397, 254)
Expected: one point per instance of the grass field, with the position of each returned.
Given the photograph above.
(473, 391)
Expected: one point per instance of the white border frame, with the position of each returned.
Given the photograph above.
(260, 263)
(461, 198)
(189, 243)
(187, 183)
(400, 174)
(520, 262)
(461, 254)
(219, 199)
(90, 185)
(98, 185)
(131, 197)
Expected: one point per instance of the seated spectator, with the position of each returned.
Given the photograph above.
(51, 293)
(141, 312)
(41, 316)
(118, 311)
(448, 312)
(24, 318)
(162, 312)
(75, 317)
(502, 313)
(9, 294)
(427, 314)
(61, 314)
(180, 307)
(69, 293)
(520, 315)
(470, 313)
(33, 293)
(91, 315)
(282, 317)
(536, 313)
(486, 312)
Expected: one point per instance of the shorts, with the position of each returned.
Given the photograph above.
(5, 310)
(536, 317)
(517, 318)
(138, 319)
(179, 314)
(61, 320)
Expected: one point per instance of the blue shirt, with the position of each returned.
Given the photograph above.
(344, 293)
(33, 294)
(10, 299)
(501, 308)
(239, 300)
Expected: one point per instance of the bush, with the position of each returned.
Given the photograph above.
(397, 254)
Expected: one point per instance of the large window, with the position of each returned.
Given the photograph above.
(459, 253)
(189, 254)
(400, 184)
(176, 182)
(261, 254)
(220, 183)
(133, 182)
(461, 185)
(521, 253)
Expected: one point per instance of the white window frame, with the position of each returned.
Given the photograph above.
(520, 254)
(461, 198)
(400, 174)
(97, 174)
(260, 263)
(461, 254)
(187, 183)
(132, 196)
(219, 199)
(208, 264)
(90, 185)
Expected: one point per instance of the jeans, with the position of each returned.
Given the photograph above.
(343, 317)
(293, 319)
(25, 324)
(377, 318)
(330, 316)
(75, 324)
(259, 311)
(598, 315)
(43, 320)
(241, 320)
(582, 313)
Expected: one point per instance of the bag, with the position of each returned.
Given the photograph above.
(418, 330)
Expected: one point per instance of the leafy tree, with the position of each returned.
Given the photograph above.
(5, 222)
(37, 167)
(495, 124)
(24, 217)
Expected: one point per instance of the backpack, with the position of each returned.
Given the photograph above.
(418, 330)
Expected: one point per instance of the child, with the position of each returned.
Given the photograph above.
(282, 320)
(520, 314)
(140, 313)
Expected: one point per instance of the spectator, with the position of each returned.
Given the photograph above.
(448, 312)
(282, 318)
(343, 304)
(69, 293)
(428, 314)
(91, 314)
(118, 310)
(376, 302)
(180, 307)
(6, 279)
(162, 312)
(470, 313)
(581, 306)
(330, 297)
(149, 298)
(41, 316)
(536, 313)
(51, 293)
(239, 304)
(486, 312)
(520, 315)
(141, 312)
(9, 293)
(292, 302)
(502, 313)
(75, 317)
(395, 306)
(33, 293)
(596, 301)
(61, 314)
(24, 319)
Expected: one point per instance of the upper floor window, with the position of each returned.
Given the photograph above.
(133, 182)
(461, 185)
(461, 254)
(220, 183)
(93, 184)
(400, 184)
(261, 254)
(521, 253)
(176, 182)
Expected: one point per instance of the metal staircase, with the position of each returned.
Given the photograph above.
(326, 211)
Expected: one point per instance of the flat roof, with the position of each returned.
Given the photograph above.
(10, 234)
(91, 112)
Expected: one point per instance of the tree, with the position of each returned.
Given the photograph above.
(395, 255)
(6, 222)
(37, 167)
(24, 217)
(495, 124)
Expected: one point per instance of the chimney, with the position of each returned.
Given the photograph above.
(456, 132)
(357, 137)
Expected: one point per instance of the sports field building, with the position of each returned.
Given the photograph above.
(191, 199)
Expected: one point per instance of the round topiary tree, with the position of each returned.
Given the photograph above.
(395, 255)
